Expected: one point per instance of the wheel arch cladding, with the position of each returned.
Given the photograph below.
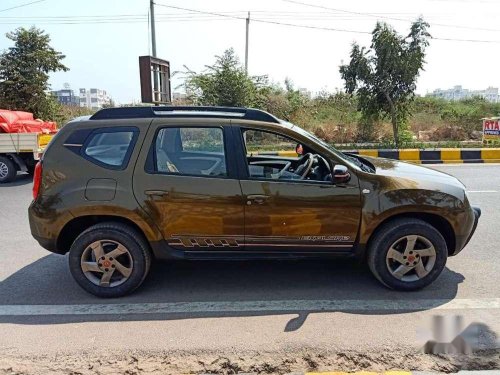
(76, 226)
(438, 222)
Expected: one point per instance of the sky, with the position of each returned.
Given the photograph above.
(102, 39)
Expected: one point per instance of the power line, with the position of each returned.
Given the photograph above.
(193, 15)
(201, 12)
(21, 5)
(317, 27)
(264, 15)
(385, 17)
(173, 17)
(268, 22)
(74, 17)
(80, 22)
(189, 14)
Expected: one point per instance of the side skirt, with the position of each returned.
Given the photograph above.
(163, 251)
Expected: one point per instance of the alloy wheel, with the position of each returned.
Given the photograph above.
(411, 258)
(106, 263)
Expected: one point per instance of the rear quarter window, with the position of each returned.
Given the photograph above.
(110, 148)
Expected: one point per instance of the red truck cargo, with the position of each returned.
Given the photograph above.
(22, 141)
(24, 122)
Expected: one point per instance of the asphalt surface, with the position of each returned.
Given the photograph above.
(244, 306)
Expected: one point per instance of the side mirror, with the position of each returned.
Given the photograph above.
(340, 174)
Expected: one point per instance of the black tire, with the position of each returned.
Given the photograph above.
(11, 170)
(132, 240)
(389, 234)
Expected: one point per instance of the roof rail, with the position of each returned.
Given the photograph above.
(183, 111)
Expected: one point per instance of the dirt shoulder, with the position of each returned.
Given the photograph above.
(251, 362)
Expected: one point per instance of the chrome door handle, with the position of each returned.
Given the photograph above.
(157, 193)
(257, 198)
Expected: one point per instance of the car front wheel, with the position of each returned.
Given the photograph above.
(407, 254)
(109, 260)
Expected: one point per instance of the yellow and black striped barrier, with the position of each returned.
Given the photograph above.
(426, 156)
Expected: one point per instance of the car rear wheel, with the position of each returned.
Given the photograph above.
(407, 254)
(109, 260)
(8, 170)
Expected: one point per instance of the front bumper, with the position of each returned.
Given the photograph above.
(466, 237)
(477, 215)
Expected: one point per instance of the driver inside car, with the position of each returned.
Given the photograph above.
(299, 149)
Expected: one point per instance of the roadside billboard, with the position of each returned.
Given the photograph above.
(491, 129)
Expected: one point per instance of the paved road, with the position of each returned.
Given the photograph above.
(243, 307)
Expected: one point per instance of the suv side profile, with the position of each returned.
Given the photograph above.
(129, 186)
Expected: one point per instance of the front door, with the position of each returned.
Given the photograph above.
(285, 211)
(187, 184)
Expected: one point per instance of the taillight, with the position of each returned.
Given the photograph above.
(37, 179)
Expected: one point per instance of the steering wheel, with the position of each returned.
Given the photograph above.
(325, 163)
(303, 167)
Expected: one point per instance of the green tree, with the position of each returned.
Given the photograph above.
(24, 73)
(226, 84)
(384, 75)
(285, 102)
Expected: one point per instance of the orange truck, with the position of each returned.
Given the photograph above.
(22, 142)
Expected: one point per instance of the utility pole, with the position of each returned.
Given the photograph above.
(156, 93)
(246, 44)
(153, 31)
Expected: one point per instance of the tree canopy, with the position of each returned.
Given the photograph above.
(24, 72)
(225, 84)
(384, 75)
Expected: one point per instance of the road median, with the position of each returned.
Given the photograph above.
(425, 156)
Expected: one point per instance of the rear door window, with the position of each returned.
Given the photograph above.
(110, 148)
(193, 151)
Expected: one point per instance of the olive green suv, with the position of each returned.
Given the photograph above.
(129, 186)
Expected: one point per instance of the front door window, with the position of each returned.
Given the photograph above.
(274, 157)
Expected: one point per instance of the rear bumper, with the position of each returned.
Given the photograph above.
(42, 228)
(46, 243)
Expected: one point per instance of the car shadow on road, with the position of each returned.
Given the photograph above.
(48, 282)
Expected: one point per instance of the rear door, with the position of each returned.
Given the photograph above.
(186, 180)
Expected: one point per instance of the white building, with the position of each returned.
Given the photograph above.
(94, 98)
(179, 96)
(459, 93)
(305, 92)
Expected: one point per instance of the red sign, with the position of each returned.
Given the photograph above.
(491, 128)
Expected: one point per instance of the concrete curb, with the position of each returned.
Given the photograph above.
(427, 156)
